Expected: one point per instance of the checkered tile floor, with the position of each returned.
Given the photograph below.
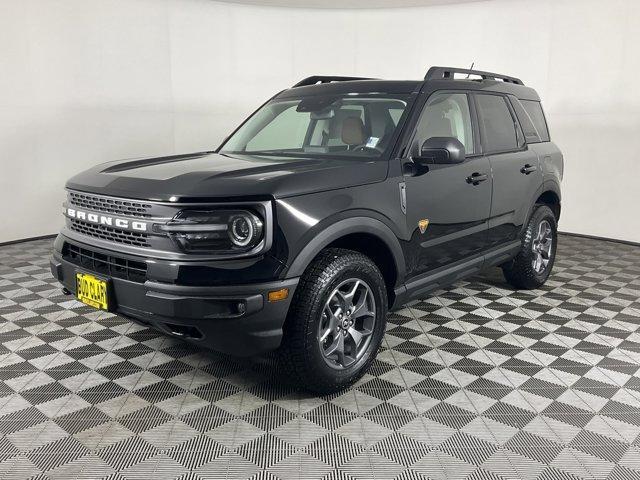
(475, 382)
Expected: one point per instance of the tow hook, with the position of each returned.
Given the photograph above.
(66, 291)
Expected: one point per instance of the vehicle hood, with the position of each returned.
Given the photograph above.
(214, 175)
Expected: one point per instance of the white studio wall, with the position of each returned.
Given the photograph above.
(87, 81)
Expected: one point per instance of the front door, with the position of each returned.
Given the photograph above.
(447, 208)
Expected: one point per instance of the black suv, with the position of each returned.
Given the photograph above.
(337, 200)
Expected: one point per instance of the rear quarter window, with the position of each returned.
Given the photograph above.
(530, 131)
(534, 110)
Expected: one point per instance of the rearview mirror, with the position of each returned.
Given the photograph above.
(440, 150)
(323, 114)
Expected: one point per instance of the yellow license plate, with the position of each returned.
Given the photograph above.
(92, 291)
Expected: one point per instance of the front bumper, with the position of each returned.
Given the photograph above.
(234, 319)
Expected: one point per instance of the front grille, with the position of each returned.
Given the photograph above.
(110, 234)
(109, 265)
(110, 205)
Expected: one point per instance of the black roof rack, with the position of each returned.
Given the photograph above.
(326, 79)
(446, 73)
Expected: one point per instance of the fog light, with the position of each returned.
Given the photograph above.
(278, 295)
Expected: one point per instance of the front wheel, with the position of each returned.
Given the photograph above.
(336, 321)
(532, 266)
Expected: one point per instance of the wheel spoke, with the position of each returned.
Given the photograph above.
(359, 335)
(356, 335)
(349, 296)
(329, 323)
(537, 263)
(342, 300)
(363, 312)
(338, 342)
(333, 317)
(361, 308)
(545, 251)
(325, 334)
(337, 348)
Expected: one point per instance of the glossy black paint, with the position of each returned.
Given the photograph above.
(457, 212)
(208, 175)
(439, 151)
(204, 315)
(476, 209)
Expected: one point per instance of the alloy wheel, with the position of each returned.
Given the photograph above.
(541, 247)
(347, 323)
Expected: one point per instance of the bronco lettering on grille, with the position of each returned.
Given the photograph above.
(107, 220)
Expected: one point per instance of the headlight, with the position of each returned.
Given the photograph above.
(215, 231)
(244, 229)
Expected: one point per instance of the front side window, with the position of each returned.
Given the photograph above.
(349, 125)
(445, 115)
(497, 123)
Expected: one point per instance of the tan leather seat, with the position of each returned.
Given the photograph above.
(353, 131)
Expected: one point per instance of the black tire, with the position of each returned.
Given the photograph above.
(520, 271)
(300, 350)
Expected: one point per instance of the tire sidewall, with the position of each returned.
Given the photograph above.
(363, 271)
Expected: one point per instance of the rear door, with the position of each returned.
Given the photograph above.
(515, 169)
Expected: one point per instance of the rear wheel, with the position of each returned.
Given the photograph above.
(532, 266)
(336, 321)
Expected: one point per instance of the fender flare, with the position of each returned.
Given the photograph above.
(339, 229)
(547, 186)
(552, 186)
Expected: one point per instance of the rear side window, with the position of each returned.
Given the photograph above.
(534, 110)
(497, 123)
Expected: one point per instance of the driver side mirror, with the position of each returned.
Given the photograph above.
(440, 150)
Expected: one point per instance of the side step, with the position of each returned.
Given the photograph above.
(423, 284)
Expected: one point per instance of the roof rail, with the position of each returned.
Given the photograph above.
(326, 79)
(446, 73)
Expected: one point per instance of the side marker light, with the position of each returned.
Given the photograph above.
(278, 295)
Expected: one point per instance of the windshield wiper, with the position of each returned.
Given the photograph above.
(268, 153)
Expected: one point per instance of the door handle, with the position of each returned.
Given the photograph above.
(528, 168)
(475, 178)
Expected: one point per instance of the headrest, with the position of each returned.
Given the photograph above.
(353, 131)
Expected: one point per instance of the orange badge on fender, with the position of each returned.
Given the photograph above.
(423, 224)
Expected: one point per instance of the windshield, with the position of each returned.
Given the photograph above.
(346, 125)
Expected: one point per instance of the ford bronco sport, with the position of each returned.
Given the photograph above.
(337, 200)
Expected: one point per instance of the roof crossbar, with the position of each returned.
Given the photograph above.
(326, 79)
(446, 73)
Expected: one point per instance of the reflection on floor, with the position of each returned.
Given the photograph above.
(477, 381)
